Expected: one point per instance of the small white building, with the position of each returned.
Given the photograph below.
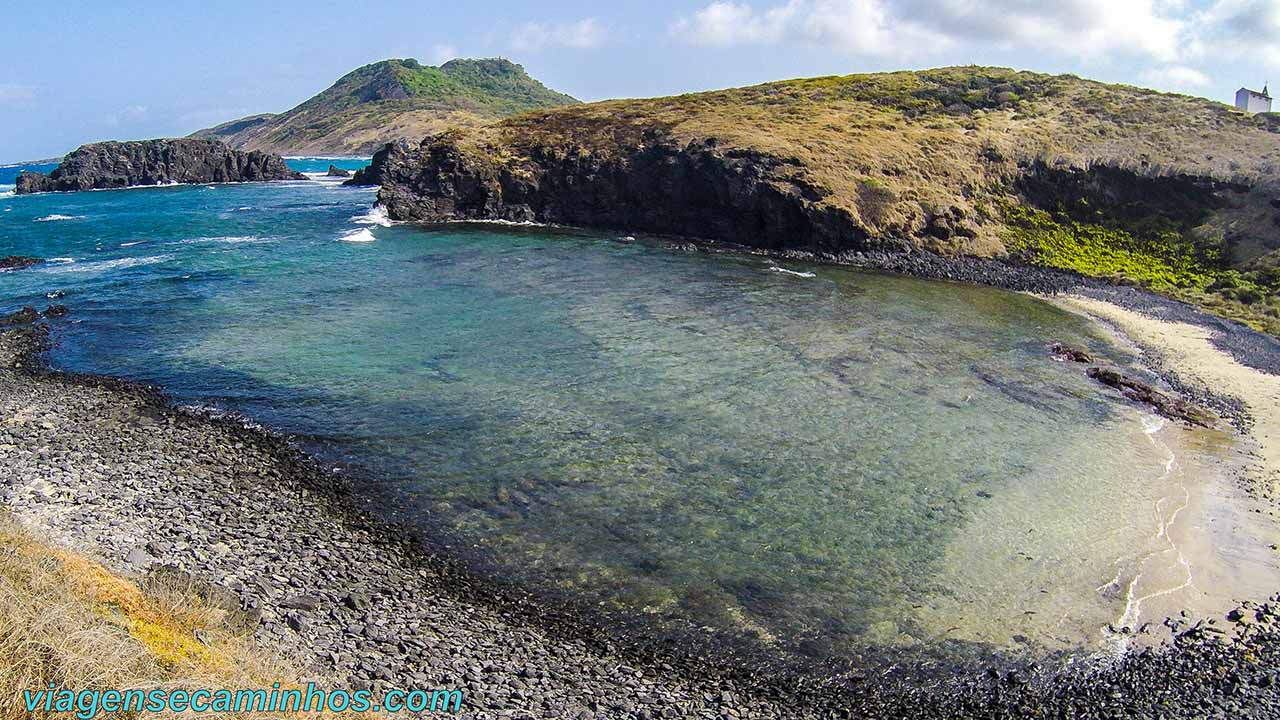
(1253, 101)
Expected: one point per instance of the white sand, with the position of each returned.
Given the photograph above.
(1186, 350)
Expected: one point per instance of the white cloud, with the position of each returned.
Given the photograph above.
(582, 35)
(1240, 29)
(1082, 28)
(133, 113)
(1257, 20)
(443, 53)
(856, 26)
(17, 97)
(1175, 77)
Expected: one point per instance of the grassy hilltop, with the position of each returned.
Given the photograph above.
(390, 99)
(1175, 192)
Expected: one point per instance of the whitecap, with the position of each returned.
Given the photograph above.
(797, 273)
(377, 215)
(131, 244)
(358, 236)
(55, 217)
(512, 223)
(70, 265)
(225, 240)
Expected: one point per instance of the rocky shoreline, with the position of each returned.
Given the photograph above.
(114, 468)
(155, 162)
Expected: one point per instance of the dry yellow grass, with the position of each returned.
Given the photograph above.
(893, 149)
(65, 620)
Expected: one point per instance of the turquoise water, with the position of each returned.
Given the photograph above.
(805, 458)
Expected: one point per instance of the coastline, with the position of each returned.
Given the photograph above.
(238, 506)
(266, 522)
(1199, 364)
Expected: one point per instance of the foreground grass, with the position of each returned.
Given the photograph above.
(66, 620)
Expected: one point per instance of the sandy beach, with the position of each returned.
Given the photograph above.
(1187, 351)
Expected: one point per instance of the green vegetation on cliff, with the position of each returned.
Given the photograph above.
(1165, 262)
(386, 100)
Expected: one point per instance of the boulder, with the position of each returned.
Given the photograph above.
(1070, 353)
(335, 171)
(17, 262)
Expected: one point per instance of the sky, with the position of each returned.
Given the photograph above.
(77, 71)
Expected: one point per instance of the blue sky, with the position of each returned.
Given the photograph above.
(78, 71)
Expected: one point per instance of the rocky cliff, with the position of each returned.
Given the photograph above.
(155, 162)
(1167, 190)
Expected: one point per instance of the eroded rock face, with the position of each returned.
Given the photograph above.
(1138, 391)
(155, 162)
(657, 186)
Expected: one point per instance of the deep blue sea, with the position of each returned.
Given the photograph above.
(805, 457)
(9, 173)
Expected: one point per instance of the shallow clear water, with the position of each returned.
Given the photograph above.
(810, 462)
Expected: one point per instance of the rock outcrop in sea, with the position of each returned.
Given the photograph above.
(17, 262)
(155, 162)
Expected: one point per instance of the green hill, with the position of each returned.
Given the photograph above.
(391, 99)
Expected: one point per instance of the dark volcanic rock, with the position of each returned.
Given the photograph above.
(21, 317)
(392, 155)
(335, 171)
(17, 262)
(1073, 354)
(656, 186)
(155, 162)
(57, 311)
(1138, 391)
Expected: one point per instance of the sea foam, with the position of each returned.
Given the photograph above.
(55, 217)
(363, 235)
(377, 215)
(797, 273)
(67, 265)
(223, 240)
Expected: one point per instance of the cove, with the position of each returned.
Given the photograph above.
(810, 462)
